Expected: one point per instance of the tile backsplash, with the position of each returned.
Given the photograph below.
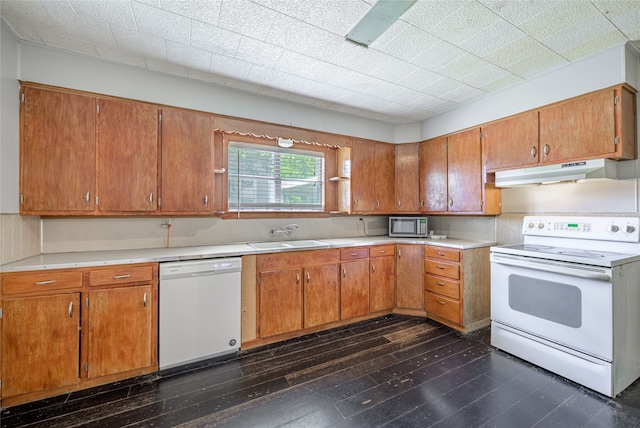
(19, 237)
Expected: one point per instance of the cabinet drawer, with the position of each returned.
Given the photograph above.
(382, 250)
(121, 275)
(435, 267)
(41, 282)
(442, 306)
(442, 253)
(354, 253)
(442, 286)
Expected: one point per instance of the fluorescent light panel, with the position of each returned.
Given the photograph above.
(378, 20)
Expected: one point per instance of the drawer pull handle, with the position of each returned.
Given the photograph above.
(381, 251)
(70, 309)
(354, 254)
(440, 283)
(51, 281)
(441, 254)
(126, 275)
(440, 302)
(440, 267)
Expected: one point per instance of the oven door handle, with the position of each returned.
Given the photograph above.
(548, 267)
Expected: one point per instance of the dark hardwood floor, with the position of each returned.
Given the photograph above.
(394, 371)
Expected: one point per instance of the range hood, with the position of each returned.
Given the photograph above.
(571, 171)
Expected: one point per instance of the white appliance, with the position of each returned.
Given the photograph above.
(408, 227)
(568, 298)
(570, 171)
(199, 310)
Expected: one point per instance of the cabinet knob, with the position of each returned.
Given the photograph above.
(399, 253)
(450, 202)
(373, 268)
(344, 272)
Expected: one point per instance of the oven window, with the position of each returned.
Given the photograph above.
(552, 301)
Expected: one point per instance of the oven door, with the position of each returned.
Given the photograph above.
(565, 303)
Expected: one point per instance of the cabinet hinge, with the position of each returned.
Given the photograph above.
(160, 117)
(86, 302)
(258, 280)
(616, 140)
(0, 312)
(22, 97)
(481, 134)
(615, 100)
(0, 383)
(21, 199)
(159, 202)
(97, 199)
(86, 366)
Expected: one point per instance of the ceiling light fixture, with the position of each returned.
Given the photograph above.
(377, 20)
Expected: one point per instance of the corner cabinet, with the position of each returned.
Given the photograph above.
(44, 352)
(457, 288)
(451, 176)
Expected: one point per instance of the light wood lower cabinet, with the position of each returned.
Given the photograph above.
(382, 278)
(457, 286)
(409, 275)
(280, 301)
(354, 282)
(70, 329)
(321, 294)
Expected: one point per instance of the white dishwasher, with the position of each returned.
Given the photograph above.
(199, 310)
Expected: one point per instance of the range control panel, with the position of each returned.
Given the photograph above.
(622, 229)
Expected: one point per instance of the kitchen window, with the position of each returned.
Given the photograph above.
(267, 178)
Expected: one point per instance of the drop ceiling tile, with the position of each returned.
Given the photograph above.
(62, 41)
(207, 76)
(426, 102)
(207, 11)
(348, 55)
(463, 94)
(296, 9)
(407, 96)
(258, 52)
(384, 90)
(624, 14)
(483, 75)
(267, 77)
(462, 66)
(410, 43)
(188, 56)
(160, 23)
(336, 16)
(501, 83)
(298, 36)
(439, 55)
(214, 39)
(470, 19)
(115, 12)
(119, 56)
(394, 69)
(26, 19)
(492, 38)
(516, 51)
(558, 18)
(89, 30)
(134, 43)
(246, 17)
(229, 67)
(419, 79)
(579, 33)
(592, 46)
(441, 86)
(427, 14)
(444, 106)
(243, 85)
(539, 62)
(518, 12)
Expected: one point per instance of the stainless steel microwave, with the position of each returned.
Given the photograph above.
(408, 227)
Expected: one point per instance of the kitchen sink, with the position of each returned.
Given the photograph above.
(280, 245)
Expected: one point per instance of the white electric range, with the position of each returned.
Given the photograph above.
(568, 298)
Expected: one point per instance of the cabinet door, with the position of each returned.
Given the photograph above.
(409, 276)
(511, 142)
(58, 152)
(578, 129)
(362, 176)
(40, 343)
(382, 283)
(407, 178)
(433, 175)
(384, 178)
(127, 156)
(464, 171)
(187, 162)
(120, 330)
(280, 301)
(321, 294)
(354, 289)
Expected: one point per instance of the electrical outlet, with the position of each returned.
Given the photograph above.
(360, 219)
(165, 222)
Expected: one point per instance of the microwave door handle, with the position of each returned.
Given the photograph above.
(601, 276)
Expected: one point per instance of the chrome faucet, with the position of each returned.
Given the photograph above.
(286, 229)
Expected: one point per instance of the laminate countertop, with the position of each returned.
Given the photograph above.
(145, 255)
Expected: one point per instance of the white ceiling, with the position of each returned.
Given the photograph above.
(438, 55)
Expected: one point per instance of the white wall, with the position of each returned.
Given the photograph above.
(9, 123)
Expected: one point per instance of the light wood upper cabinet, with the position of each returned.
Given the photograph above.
(464, 172)
(57, 152)
(186, 162)
(433, 175)
(407, 167)
(511, 142)
(127, 157)
(600, 124)
(372, 177)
